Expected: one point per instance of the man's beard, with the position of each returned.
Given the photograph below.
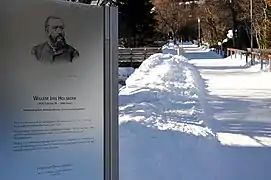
(58, 42)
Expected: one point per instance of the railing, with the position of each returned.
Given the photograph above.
(263, 55)
(260, 54)
(135, 56)
(234, 52)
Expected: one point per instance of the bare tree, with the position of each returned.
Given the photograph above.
(171, 15)
(260, 22)
(215, 19)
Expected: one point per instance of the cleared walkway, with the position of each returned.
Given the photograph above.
(239, 107)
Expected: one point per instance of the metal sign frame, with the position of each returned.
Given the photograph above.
(111, 144)
(110, 97)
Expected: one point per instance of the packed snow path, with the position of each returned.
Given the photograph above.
(239, 109)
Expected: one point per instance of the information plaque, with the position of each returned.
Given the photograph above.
(59, 91)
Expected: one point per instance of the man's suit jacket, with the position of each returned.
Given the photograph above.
(45, 53)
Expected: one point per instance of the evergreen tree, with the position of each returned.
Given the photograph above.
(136, 21)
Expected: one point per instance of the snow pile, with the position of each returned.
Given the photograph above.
(188, 43)
(206, 48)
(173, 49)
(170, 48)
(162, 132)
(125, 72)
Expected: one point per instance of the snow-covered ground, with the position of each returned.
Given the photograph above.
(162, 132)
(195, 117)
(124, 73)
(239, 107)
(243, 92)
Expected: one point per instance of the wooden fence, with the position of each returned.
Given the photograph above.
(260, 54)
(133, 57)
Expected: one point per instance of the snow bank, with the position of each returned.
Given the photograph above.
(206, 48)
(162, 132)
(125, 72)
(172, 49)
(188, 43)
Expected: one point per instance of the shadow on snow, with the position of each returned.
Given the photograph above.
(235, 163)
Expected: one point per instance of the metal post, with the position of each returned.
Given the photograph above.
(199, 37)
(111, 171)
(251, 26)
(233, 23)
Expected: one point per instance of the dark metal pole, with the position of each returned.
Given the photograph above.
(233, 23)
(251, 25)
(199, 40)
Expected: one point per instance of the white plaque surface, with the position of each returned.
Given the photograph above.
(52, 91)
